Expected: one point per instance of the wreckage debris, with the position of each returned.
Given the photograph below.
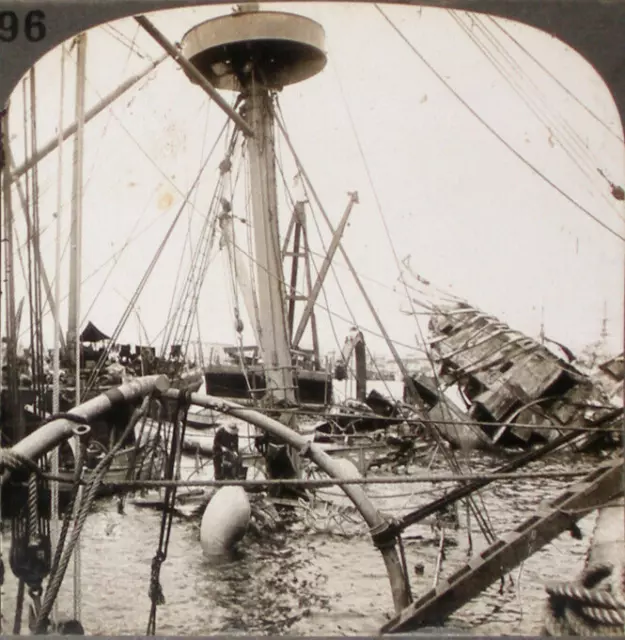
(515, 387)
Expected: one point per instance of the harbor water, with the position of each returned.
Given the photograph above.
(302, 582)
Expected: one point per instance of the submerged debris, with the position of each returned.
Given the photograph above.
(517, 389)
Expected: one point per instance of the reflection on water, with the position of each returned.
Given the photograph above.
(304, 584)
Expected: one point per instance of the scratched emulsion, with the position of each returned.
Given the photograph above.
(301, 583)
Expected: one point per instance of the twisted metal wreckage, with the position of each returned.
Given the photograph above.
(595, 604)
(595, 601)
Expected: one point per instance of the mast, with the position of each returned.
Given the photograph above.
(73, 343)
(274, 342)
(255, 53)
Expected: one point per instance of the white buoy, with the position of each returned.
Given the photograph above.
(225, 521)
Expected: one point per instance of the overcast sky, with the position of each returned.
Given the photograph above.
(475, 219)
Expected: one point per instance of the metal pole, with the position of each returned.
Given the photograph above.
(52, 434)
(11, 331)
(332, 467)
(59, 341)
(190, 69)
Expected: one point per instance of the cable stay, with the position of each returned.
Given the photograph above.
(178, 337)
(131, 305)
(556, 126)
(516, 153)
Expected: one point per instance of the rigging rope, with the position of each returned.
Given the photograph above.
(498, 24)
(578, 148)
(518, 155)
(79, 518)
(155, 590)
(449, 455)
(143, 282)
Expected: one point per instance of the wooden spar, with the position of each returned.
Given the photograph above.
(548, 522)
(73, 327)
(59, 340)
(300, 251)
(333, 468)
(51, 434)
(50, 146)
(325, 267)
(197, 77)
(309, 285)
(295, 255)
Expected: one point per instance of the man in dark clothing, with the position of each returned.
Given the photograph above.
(226, 459)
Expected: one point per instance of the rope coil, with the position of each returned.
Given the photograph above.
(575, 609)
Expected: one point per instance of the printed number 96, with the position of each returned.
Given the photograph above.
(34, 26)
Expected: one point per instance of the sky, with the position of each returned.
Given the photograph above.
(476, 172)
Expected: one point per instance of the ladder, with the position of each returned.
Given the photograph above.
(550, 520)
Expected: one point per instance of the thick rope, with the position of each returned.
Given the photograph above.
(92, 486)
(574, 609)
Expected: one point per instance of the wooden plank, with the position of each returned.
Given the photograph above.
(550, 520)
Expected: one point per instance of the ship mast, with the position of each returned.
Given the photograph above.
(73, 343)
(255, 54)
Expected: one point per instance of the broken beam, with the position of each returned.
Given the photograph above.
(550, 520)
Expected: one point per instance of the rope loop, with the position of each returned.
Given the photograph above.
(584, 608)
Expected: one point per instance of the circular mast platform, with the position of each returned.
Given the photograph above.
(270, 48)
(256, 53)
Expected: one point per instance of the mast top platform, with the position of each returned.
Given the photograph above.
(269, 48)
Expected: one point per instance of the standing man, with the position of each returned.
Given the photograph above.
(226, 460)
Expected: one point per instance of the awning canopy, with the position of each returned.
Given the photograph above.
(92, 334)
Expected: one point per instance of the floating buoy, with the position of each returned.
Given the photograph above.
(225, 521)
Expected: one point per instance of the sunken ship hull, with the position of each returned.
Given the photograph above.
(519, 391)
